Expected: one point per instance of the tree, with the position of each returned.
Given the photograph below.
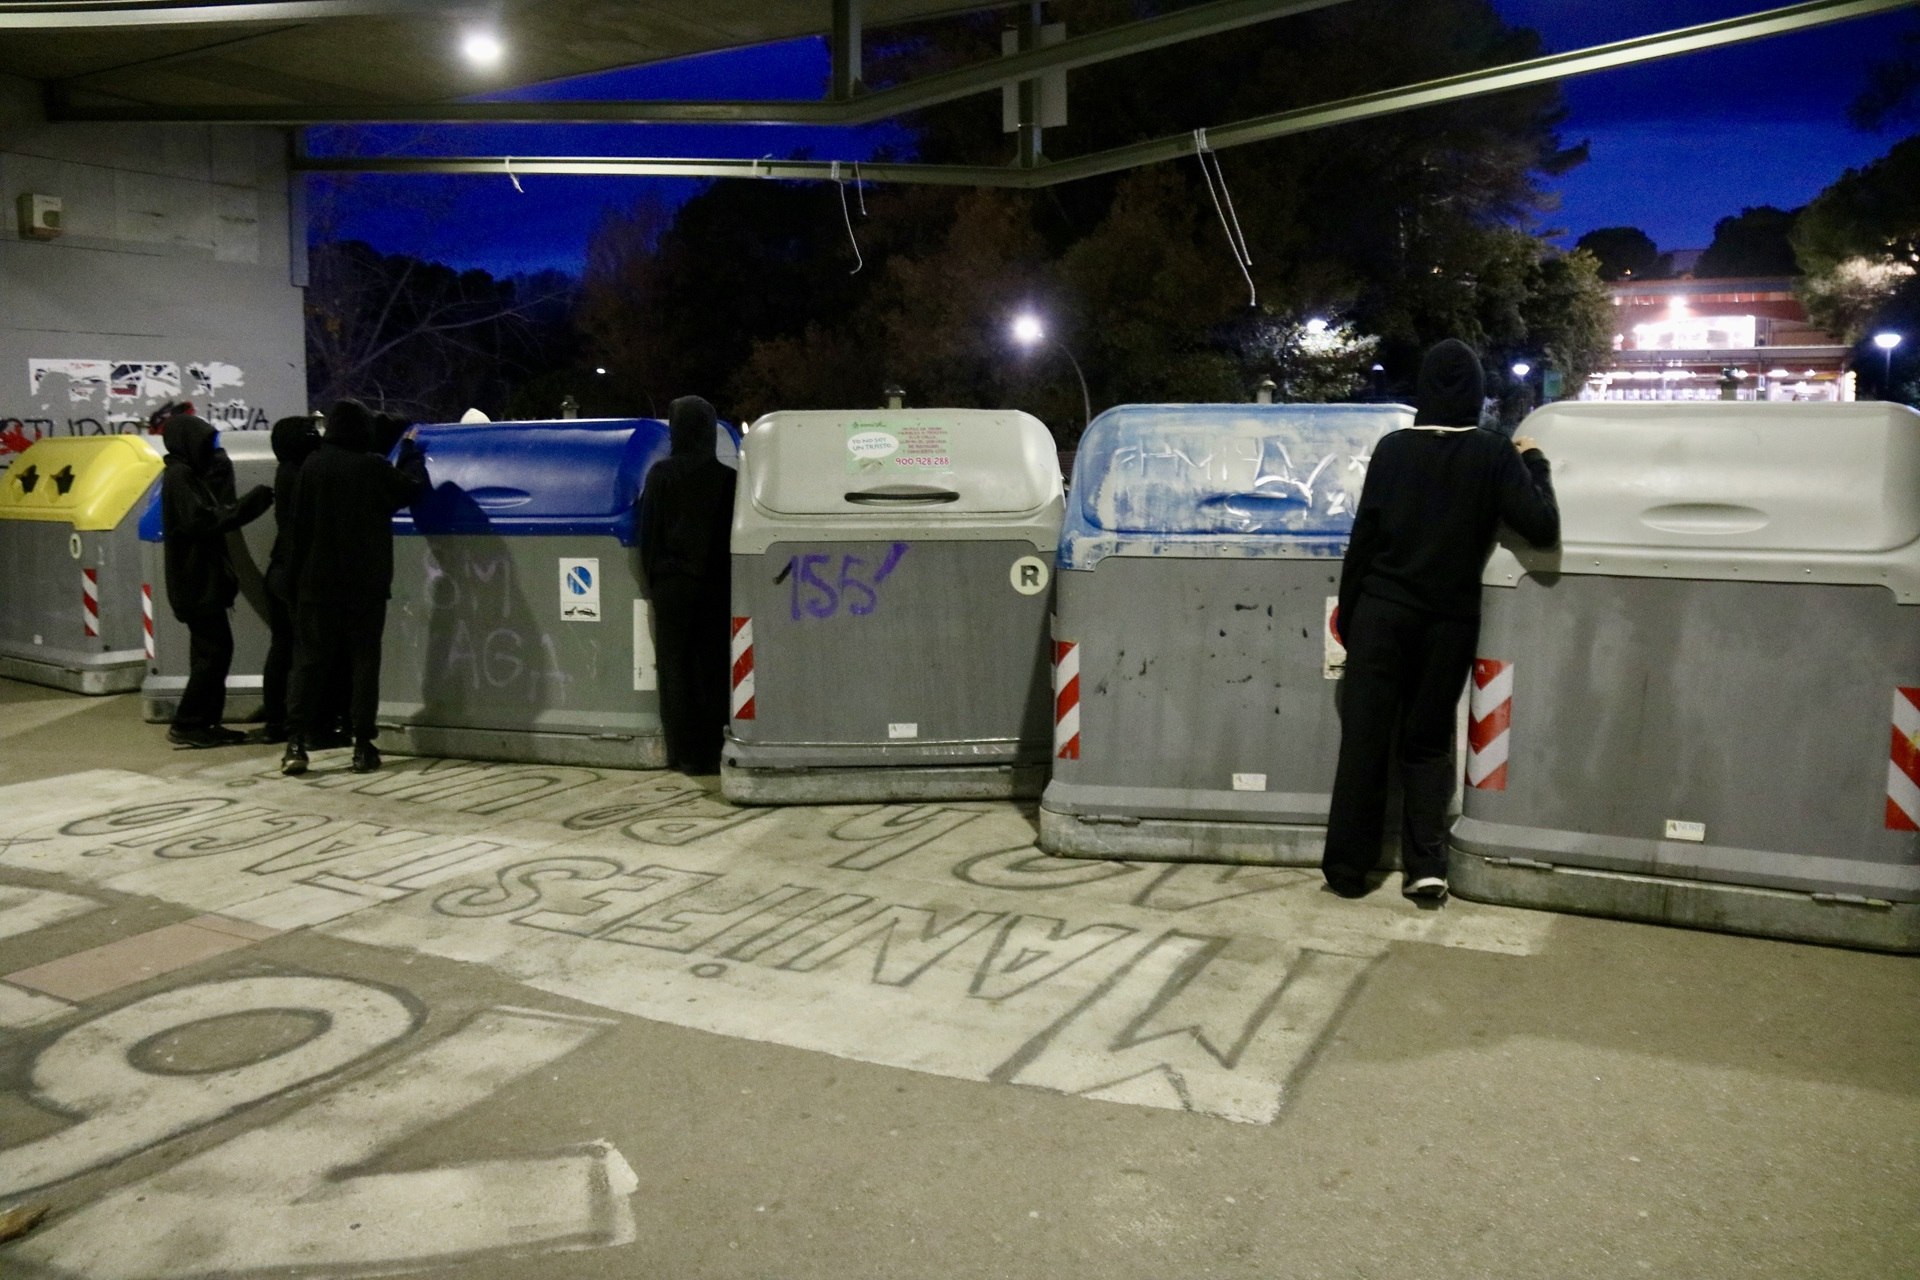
(1756, 242)
(1311, 361)
(1858, 244)
(1621, 252)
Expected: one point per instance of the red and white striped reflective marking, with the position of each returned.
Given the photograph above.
(1066, 700)
(1903, 763)
(1489, 717)
(741, 703)
(146, 615)
(90, 600)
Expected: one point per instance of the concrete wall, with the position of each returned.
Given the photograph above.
(176, 276)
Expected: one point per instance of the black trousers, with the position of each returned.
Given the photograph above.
(336, 635)
(691, 651)
(1405, 672)
(278, 672)
(209, 657)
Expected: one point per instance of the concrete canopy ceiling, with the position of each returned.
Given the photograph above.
(361, 52)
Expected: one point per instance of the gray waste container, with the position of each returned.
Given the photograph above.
(891, 582)
(166, 680)
(1684, 714)
(1195, 672)
(70, 611)
(518, 628)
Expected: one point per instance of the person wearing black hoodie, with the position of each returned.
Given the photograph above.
(686, 513)
(1409, 612)
(198, 510)
(340, 564)
(294, 440)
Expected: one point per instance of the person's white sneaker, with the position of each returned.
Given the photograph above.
(1426, 887)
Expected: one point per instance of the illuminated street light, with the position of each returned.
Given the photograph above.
(600, 369)
(1887, 340)
(1030, 333)
(483, 48)
(1521, 368)
(1316, 325)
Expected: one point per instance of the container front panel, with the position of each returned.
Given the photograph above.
(43, 592)
(1758, 716)
(892, 644)
(1207, 676)
(476, 636)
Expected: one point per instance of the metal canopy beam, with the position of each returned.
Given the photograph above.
(39, 16)
(1773, 22)
(947, 86)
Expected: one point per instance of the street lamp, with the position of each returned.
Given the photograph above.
(1887, 340)
(1521, 368)
(1030, 333)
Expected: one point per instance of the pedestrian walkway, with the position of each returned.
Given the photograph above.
(453, 1017)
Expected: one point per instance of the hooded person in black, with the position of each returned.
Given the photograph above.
(686, 513)
(1409, 612)
(197, 512)
(294, 440)
(340, 565)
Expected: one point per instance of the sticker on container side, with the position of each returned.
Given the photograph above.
(903, 730)
(1679, 830)
(1249, 782)
(1333, 658)
(1903, 762)
(644, 678)
(1028, 575)
(580, 590)
(898, 449)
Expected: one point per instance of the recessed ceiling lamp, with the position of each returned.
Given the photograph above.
(482, 48)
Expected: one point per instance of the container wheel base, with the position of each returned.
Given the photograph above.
(881, 784)
(1245, 844)
(1868, 924)
(93, 681)
(519, 746)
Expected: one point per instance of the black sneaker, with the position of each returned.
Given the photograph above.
(293, 761)
(366, 757)
(226, 737)
(1425, 888)
(197, 738)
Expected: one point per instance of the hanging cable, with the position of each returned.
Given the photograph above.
(1229, 219)
(860, 188)
(512, 177)
(846, 214)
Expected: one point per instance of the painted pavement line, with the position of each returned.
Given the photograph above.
(1194, 987)
(20, 1008)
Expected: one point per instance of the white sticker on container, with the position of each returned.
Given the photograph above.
(645, 680)
(1249, 782)
(903, 731)
(1333, 659)
(1678, 830)
(580, 590)
(1028, 575)
(74, 548)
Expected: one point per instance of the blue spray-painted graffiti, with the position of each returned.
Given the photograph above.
(812, 596)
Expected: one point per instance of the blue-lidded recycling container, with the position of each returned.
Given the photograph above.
(249, 549)
(1702, 707)
(519, 627)
(1195, 672)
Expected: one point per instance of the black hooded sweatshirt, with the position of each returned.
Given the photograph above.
(197, 511)
(294, 441)
(686, 505)
(344, 500)
(1435, 494)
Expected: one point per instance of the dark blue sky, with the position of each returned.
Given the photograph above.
(1676, 144)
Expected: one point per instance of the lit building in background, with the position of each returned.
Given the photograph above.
(1689, 339)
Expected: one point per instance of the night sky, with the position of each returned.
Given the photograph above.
(1676, 145)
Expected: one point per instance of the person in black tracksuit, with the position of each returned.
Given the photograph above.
(198, 510)
(1409, 613)
(686, 512)
(294, 440)
(341, 568)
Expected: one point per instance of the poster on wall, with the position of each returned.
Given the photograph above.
(94, 395)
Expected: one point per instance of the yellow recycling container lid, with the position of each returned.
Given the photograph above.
(89, 482)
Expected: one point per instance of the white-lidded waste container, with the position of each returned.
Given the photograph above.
(1195, 670)
(892, 574)
(1703, 708)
